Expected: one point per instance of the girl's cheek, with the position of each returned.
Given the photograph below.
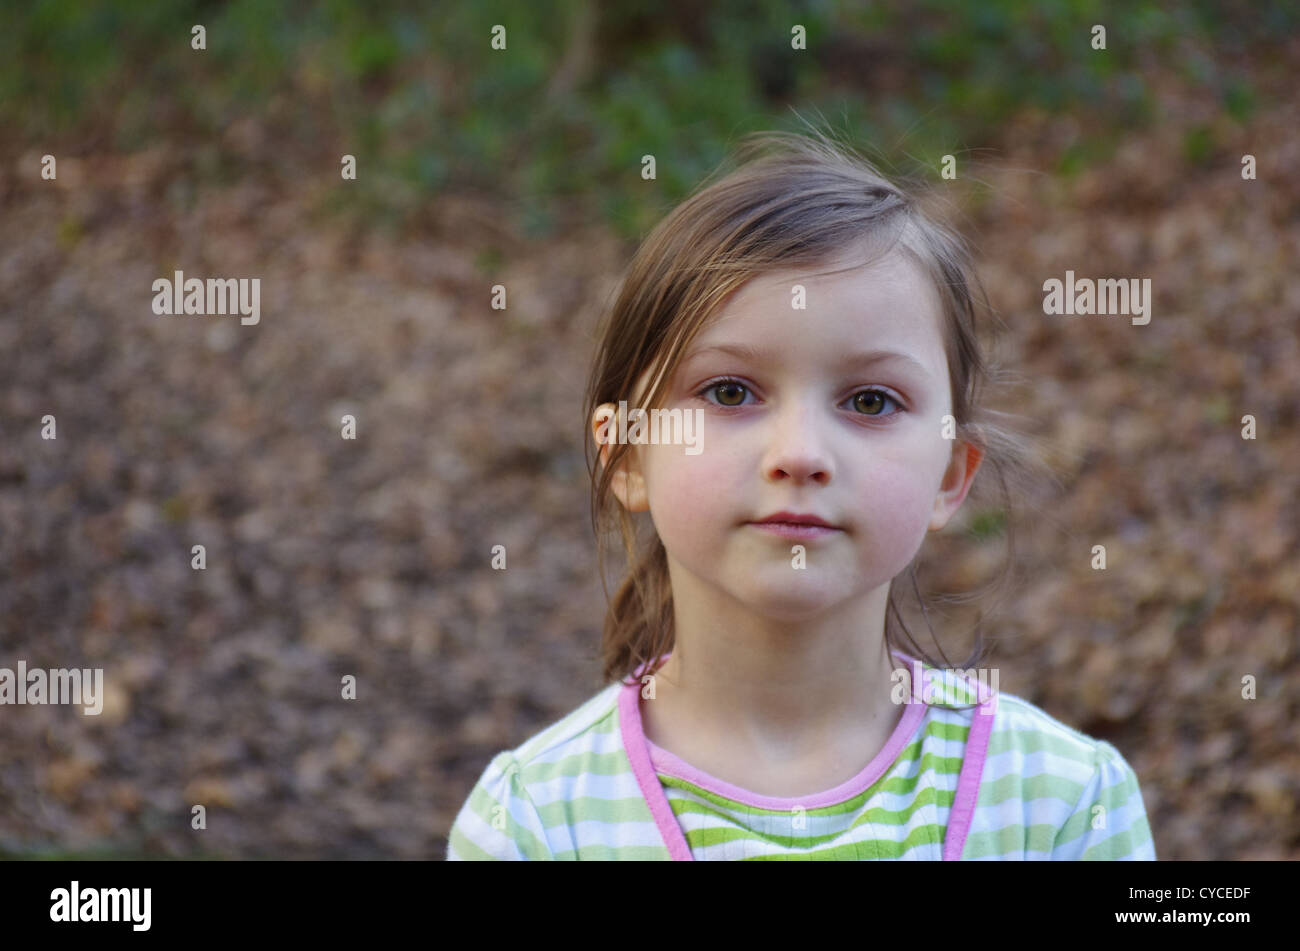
(898, 504)
(687, 489)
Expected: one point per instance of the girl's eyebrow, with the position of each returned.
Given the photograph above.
(846, 361)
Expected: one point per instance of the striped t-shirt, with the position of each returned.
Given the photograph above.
(1000, 780)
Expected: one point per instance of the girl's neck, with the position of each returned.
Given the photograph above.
(772, 685)
(783, 742)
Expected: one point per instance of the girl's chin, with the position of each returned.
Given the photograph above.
(790, 602)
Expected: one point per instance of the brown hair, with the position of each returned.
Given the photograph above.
(794, 202)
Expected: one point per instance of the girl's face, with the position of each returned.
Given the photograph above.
(834, 411)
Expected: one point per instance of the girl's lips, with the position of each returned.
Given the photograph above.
(793, 530)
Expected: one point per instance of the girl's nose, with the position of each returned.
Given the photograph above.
(797, 449)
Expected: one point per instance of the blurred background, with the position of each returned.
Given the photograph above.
(371, 557)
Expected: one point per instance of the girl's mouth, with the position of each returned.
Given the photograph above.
(796, 530)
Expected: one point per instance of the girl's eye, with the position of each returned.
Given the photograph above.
(865, 399)
(731, 393)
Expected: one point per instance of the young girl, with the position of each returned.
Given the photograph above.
(819, 330)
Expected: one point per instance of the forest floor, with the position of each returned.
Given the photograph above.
(328, 557)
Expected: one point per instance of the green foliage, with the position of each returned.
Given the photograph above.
(1239, 99)
(417, 93)
(69, 233)
(1198, 145)
(988, 523)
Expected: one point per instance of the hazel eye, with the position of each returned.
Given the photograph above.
(867, 399)
(733, 389)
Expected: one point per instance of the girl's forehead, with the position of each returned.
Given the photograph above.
(886, 300)
(873, 273)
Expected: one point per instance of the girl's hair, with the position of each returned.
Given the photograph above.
(794, 203)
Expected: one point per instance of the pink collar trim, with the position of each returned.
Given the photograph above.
(645, 756)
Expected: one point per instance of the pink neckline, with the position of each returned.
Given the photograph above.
(645, 757)
(666, 762)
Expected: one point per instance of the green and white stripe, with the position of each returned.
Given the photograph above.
(570, 792)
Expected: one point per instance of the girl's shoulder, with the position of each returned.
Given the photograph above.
(1025, 729)
(1055, 791)
(577, 741)
(530, 801)
(1014, 723)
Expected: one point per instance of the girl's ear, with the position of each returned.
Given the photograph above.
(965, 462)
(627, 483)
